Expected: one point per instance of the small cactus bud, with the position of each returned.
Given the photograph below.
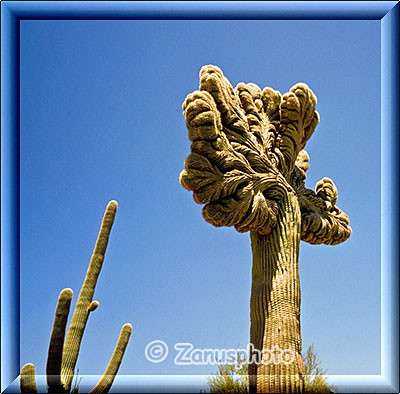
(93, 306)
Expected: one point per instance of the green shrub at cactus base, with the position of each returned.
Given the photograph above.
(233, 378)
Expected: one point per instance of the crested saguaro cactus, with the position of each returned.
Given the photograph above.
(63, 355)
(248, 166)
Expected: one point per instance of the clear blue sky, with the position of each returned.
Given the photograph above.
(101, 119)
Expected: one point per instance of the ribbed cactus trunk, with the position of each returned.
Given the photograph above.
(275, 304)
(84, 304)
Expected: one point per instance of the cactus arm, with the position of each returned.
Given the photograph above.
(104, 384)
(54, 357)
(81, 313)
(27, 379)
(93, 306)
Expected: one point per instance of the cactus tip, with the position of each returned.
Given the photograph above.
(113, 203)
(67, 292)
(28, 367)
(127, 326)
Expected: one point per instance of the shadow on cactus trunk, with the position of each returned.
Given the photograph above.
(63, 354)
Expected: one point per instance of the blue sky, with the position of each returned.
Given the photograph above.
(101, 119)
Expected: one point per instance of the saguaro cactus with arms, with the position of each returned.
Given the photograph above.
(248, 166)
(63, 354)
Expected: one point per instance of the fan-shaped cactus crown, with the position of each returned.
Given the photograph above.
(248, 152)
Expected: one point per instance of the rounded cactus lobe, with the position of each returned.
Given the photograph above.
(271, 100)
(203, 120)
(322, 221)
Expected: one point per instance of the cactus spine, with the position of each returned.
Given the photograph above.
(105, 383)
(62, 356)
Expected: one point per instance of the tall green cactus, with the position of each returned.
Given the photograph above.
(248, 166)
(81, 313)
(63, 355)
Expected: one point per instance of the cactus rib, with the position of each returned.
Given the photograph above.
(105, 383)
(27, 379)
(81, 313)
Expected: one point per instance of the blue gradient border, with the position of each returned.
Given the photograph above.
(385, 11)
